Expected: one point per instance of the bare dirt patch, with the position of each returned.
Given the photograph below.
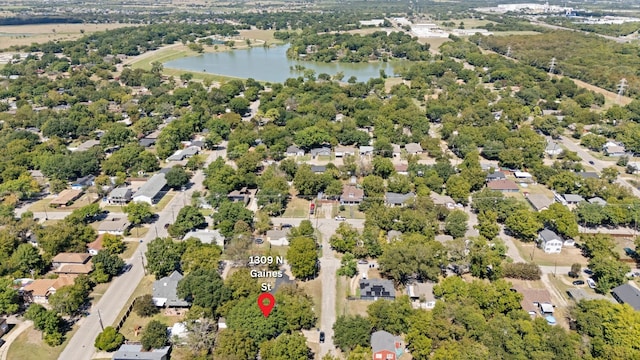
(28, 34)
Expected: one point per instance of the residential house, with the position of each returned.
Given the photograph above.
(165, 291)
(503, 186)
(4, 327)
(549, 241)
(114, 225)
(294, 151)
(374, 289)
(366, 150)
(86, 145)
(385, 346)
(146, 142)
(397, 151)
(442, 200)
(184, 154)
(395, 199)
(150, 191)
(421, 295)
(553, 149)
(83, 182)
(539, 202)
(130, 351)
(627, 294)
(497, 175)
(413, 148)
(572, 199)
(72, 264)
(614, 149)
(243, 195)
(318, 169)
(278, 237)
(120, 196)
(38, 291)
(351, 195)
(342, 151)
(65, 198)
(401, 169)
(207, 236)
(95, 246)
(523, 176)
(589, 175)
(321, 151)
(597, 200)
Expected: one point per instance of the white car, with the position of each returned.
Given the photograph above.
(591, 283)
(340, 218)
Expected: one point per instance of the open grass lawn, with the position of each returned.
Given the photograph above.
(133, 321)
(569, 255)
(508, 33)
(349, 212)
(313, 288)
(30, 346)
(130, 250)
(469, 23)
(139, 232)
(40, 33)
(342, 292)
(263, 35)
(297, 208)
(97, 292)
(164, 201)
(144, 287)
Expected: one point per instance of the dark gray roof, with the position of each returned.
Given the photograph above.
(134, 351)
(597, 200)
(145, 142)
(498, 175)
(321, 151)
(85, 181)
(318, 168)
(627, 294)
(589, 175)
(573, 198)
(539, 201)
(292, 149)
(377, 288)
(382, 340)
(120, 192)
(548, 235)
(165, 291)
(398, 199)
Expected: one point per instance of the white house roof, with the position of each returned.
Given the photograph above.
(207, 236)
(522, 174)
(152, 187)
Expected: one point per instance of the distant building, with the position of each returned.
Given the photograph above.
(4, 327)
(614, 149)
(65, 198)
(114, 225)
(572, 199)
(278, 237)
(532, 299)
(553, 149)
(496, 175)
(243, 195)
(372, 22)
(597, 200)
(386, 346)
(318, 169)
(184, 154)
(150, 191)
(86, 145)
(413, 148)
(539, 202)
(366, 150)
(442, 200)
(165, 291)
(503, 186)
(134, 351)
(294, 151)
(342, 151)
(589, 175)
(95, 246)
(396, 199)
(38, 291)
(83, 182)
(322, 151)
(374, 289)
(120, 196)
(351, 195)
(550, 242)
(207, 237)
(421, 295)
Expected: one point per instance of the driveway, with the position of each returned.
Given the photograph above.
(80, 346)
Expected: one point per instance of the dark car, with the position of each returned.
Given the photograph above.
(286, 226)
(258, 241)
(591, 162)
(321, 337)
(578, 282)
(166, 226)
(573, 275)
(588, 271)
(2, 342)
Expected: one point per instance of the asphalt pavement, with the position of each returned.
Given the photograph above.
(104, 313)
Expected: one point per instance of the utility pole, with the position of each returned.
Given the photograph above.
(552, 66)
(100, 319)
(142, 262)
(621, 87)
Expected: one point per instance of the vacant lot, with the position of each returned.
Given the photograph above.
(30, 346)
(28, 34)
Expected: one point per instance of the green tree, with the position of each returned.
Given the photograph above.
(109, 339)
(382, 167)
(204, 288)
(154, 336)
(200, 256)
(560, 219)
(402, 260)
(351, 331)
(110, 264)
(68, 299)
(163, 256)
(524, 225)
(26, 259)
(284, 347)
(608, 272)
(113, 244)
(177, 177)
(456, 223)
(188, 218)
(488, 224)
(145, 306)
(391, 316)
(9, 299)
(348, 266)
(303, 257)
(235, 344)
(459, 189)
(138, 212)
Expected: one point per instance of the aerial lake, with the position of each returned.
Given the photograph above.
(272, 65)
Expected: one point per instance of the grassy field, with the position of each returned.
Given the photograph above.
(569, 255)
(297, 208)
(131, 247)
(144, 287)
(469, 23)
(507, 33)
(40, 33)
(43, 205)
(133, 321)
(97, 292)
(313, 288)
(30, 346)
(164, 201)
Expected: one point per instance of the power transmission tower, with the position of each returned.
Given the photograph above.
(621, 86)
(552, 66)
(508, 54)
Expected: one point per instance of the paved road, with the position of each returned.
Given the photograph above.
(621, 40)
(80, 347)
(599, 165)
(329, 265)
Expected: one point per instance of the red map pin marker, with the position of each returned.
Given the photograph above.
(266, 301)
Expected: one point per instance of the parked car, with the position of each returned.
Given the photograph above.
(573, 275)
(340, 218)
(166, 226)
(591, 162)
(630, 252)
(2, 342)
(259, 241)
(578, 282)
(322, 336)
(286, 226)
(363, 262)
(588, 271)
(591, 283)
